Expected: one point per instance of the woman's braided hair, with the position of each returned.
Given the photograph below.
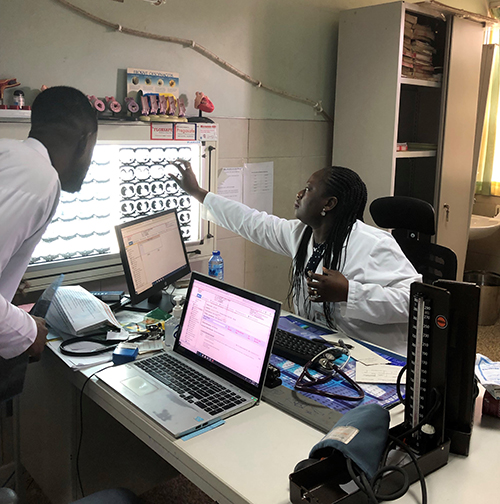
(351, 194)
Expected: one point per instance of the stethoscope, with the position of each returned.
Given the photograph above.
(152, 332)
(324, 363)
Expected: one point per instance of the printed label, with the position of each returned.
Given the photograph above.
(344, 434)
(162, 131)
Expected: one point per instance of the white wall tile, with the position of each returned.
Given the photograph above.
(275, 138)
(232, 251)
(318, 139)
(233, 138)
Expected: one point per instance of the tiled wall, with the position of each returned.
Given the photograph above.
(484, 254)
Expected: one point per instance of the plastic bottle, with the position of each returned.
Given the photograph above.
(216, 266)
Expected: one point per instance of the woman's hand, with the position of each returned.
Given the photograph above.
(187, 180)
(331, 286)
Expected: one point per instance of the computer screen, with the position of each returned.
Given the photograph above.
(153, 256)
(229, 329)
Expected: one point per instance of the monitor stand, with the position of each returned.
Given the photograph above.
(162, 300)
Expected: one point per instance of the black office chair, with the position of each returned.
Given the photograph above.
(412, 222)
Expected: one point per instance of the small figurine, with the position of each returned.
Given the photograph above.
(113, 105)
(203, 103)
(182, 108)
(132, 106)
(18, 98)
(96, 103)
(7, 83)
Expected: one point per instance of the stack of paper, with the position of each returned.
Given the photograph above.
(74, 311)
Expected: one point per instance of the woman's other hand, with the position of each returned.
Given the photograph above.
(187, 180)
(331, 286)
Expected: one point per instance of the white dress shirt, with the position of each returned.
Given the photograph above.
(378, 272)
(29, 194)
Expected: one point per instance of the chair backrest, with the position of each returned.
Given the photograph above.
(414, 216)
(432, 261)
(412, 222)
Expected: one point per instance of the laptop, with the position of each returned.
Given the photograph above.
(217, 366)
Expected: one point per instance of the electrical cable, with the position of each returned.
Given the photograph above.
(8, 479)
(427, 417)
(191, 44)
(370, 486)
(398, 384)
(421, 477)
(81, 429)
(106, 346)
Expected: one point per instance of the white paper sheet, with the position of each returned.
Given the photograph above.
(258, 185)
(230, 183)
(378, 373)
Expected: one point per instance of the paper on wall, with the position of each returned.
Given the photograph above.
(251, 185)
(230, 184)
(258, 186)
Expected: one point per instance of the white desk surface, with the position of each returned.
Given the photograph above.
(250, 457)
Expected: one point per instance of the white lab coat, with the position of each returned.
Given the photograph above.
(378, 272)
(29, 194)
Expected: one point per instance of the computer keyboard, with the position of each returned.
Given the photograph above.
(296, 348)
(191, 385)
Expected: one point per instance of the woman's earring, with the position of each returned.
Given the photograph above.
(323, 213)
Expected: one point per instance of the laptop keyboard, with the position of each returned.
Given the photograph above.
(192, 386)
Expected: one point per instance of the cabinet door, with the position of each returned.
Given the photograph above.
(454, 205)
(367, 94)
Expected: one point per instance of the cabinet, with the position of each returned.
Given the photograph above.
(376, 108)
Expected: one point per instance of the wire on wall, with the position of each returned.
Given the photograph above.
(317, 105)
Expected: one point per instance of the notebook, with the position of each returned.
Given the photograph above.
(221, 353)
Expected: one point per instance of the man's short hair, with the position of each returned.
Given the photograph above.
(63, 106)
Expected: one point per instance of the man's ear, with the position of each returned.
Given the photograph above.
(82, 143)
(331, 203)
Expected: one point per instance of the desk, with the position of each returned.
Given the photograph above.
(247, 460)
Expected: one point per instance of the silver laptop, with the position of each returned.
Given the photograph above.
(217, 366)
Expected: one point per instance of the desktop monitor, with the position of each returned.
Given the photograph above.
(153, 256)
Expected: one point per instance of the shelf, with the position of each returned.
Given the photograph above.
(415, 154)
(420, 82)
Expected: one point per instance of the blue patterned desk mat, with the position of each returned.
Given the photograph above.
(382, 394)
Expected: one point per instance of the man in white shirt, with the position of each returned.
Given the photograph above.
(56, 156)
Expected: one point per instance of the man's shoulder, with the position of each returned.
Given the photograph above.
(25, 164)
(7, 144)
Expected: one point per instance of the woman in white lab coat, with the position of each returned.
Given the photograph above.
(345, 273)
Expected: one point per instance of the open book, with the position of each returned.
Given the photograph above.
(74, 311)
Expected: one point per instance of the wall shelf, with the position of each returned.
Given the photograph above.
(420, 82)
(415, 154)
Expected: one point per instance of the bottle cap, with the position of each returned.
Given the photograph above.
(216, 252)
(177, 309)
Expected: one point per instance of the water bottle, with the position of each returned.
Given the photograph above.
(216, 266)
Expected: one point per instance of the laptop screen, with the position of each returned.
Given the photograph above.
(228, 328)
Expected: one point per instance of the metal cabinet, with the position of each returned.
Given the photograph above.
(377, 108)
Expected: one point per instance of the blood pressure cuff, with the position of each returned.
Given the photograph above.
(361, 435)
